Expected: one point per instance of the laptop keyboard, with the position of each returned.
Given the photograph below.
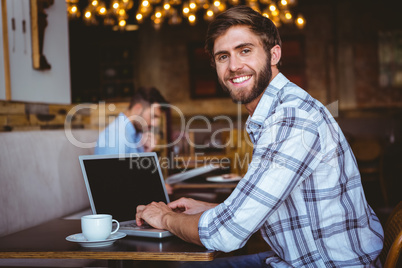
(134, 225)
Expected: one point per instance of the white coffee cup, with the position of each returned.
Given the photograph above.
(98, 226)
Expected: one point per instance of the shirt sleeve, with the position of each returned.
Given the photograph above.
(286, 151)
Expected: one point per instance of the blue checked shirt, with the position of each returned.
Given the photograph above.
(302, 189)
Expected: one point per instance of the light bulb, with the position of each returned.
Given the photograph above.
(102, 11)
(192, 19)
(122, 23)
(73, 12)
(115, 5)
(186, 10)
(300, 22)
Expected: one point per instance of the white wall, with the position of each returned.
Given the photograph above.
(28, 84)
(2, 85)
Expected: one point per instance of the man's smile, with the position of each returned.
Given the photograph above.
(241, 79)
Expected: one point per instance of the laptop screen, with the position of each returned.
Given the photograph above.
(119, 184)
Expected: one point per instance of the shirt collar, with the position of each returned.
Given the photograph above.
(264, 106)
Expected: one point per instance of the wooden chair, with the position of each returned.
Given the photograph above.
(369, 156)
(393, 238)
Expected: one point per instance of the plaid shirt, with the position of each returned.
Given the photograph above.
(302, 189)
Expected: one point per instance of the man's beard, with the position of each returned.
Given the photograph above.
(260, 85)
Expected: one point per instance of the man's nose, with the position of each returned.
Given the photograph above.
(235, 64)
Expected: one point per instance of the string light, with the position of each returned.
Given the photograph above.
(172, 11)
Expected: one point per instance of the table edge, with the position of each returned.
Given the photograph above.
(129, 255)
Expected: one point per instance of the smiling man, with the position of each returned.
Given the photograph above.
(302, 190)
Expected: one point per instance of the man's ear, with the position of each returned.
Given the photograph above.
(276, 53)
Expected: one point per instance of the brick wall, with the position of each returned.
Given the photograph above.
(22, 116)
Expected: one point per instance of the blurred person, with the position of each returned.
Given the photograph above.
(133, 130)
(302, 189)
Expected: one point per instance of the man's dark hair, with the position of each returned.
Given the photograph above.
(147, 96)
(242, 15)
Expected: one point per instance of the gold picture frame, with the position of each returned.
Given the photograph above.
(6, 55)
(38, 25)
(35, 35)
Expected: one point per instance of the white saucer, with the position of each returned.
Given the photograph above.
(223, 178)
(80, 239)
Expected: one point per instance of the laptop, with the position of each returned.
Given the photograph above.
(117, 184)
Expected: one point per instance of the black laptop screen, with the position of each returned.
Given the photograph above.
(118, 186)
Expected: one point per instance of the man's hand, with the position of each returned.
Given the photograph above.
(153, 214)
(183, 225)
(190, 206)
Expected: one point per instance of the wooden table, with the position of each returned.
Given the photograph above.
(47, 241)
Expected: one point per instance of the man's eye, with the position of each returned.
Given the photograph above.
(246, 50)
(222, 57)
